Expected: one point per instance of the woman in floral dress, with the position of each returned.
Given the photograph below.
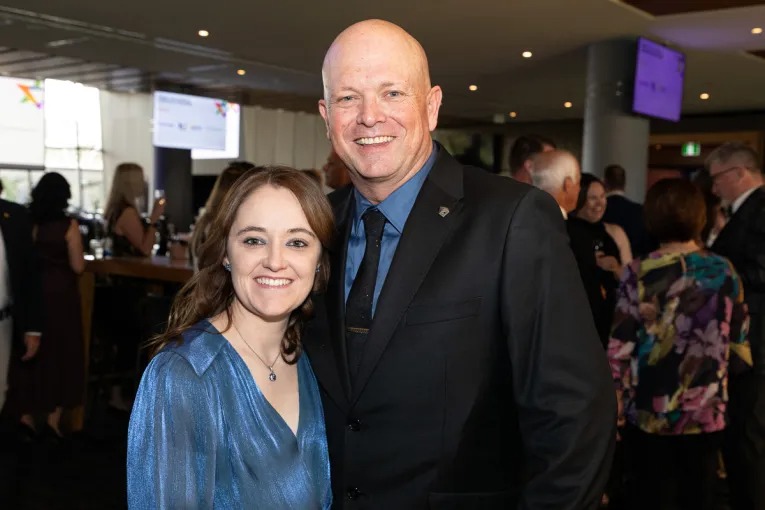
(679, 331)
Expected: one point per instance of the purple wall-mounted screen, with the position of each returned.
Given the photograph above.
(659, 75)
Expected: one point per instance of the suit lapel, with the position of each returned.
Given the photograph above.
(336, 290)
(435, 213)
(330, 365)
(727, 239)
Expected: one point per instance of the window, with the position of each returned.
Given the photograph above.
(72, 144)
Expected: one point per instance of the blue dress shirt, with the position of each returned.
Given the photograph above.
(396, 209)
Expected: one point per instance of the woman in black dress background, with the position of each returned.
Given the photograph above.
(54, 379)
(610, 251)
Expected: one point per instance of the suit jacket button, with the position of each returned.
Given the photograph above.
(354, 493)
(354, 425)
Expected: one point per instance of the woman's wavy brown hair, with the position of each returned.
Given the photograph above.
(210, 292)
(223, 183)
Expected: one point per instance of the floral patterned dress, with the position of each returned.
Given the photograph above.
(680, 327)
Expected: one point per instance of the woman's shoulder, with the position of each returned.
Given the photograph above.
(200, 345)
(711, 261)
(126, 213)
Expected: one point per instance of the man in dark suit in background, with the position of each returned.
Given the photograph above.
(558, 173)
(457, 358)
(522, 151)
(737, 179)
(20, 318)
(626, 213)
(335, 172)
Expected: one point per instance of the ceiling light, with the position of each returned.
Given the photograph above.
(203, 33)
(473, 88)
(241, 72)
(757, 31)
(526, 54)
(567, 104)
(704, 96)
(513, 115)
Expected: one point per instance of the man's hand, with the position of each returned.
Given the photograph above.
(32, 342)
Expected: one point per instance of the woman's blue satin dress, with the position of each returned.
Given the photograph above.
(202, 435)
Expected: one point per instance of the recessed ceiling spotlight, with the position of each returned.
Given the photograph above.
(526, 54)
(241, 72)
(473, 88)
(203, 33)
(567, 104)
(757, 30)
(704, 96)
(513, 115)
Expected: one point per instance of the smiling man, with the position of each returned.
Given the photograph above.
(459, 363)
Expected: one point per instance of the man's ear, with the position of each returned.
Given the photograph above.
(324, 114)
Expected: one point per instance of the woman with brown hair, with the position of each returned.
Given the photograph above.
(228, 414)
(679, 333)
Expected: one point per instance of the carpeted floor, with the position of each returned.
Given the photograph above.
(85, 472)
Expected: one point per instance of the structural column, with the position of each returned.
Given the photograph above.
(172, 173)
(612, 135)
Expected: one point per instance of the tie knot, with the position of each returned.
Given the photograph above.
(374, 223)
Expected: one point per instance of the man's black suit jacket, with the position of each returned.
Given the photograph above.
(629, 215)
(742, 241)
(482, 384)
(23, 272)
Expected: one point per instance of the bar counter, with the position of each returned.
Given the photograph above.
(155, 269)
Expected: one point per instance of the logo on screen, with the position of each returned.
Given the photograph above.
(223, 107)
(30, 93)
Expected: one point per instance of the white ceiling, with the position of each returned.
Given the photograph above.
(281, 45)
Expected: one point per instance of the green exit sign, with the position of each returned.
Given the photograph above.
(690, 149)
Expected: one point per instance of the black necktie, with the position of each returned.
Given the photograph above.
(358, 307)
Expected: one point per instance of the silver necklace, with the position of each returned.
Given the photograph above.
(272, 375)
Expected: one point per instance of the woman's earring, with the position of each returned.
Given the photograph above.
(318, 268)
(227, 266)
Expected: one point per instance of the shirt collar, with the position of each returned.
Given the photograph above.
(563, 212)
(617, 192)
(397, 206)
(741, 199)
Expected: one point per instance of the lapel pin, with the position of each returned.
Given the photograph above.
(443, 211)
(6, 215)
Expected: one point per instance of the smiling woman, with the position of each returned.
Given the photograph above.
(229, 378)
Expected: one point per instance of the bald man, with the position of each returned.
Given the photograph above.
(458, 362)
